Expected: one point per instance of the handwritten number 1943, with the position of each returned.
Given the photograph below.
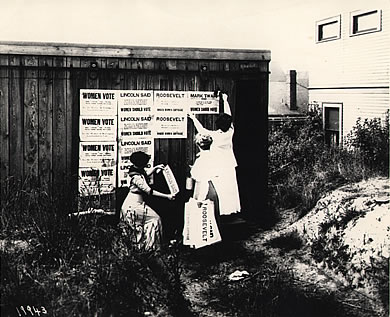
(31, 310)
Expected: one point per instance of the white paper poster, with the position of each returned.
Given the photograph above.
(203, 102)
(101, 154)
(96, 180)
(135, 114)
(98, 128)
(170, 114)
(98, 102)
(171, 180)
(126, 148)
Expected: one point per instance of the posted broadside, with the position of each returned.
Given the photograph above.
(170, 114)
(98, 102)
(98, 128)
(102, 154)
(203, 102)
(96, 180)
(126, 148)
(135, 114)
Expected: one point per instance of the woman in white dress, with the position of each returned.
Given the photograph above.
(222, 164)
(144, 222)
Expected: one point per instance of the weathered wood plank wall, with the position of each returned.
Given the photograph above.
(39, 99)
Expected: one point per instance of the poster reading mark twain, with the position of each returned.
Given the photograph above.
(135, 114)
(98, 102)
(98, 128)
(101, 154)
(96, 180)
(203, 102)
(126, 148)
(170, 114)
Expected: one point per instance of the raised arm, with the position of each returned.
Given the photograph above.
(226, 106)
(198, 126)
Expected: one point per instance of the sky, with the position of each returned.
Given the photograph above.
(286, 27)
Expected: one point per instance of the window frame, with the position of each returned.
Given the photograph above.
(354, 14)
(339, 106)
(319, 24)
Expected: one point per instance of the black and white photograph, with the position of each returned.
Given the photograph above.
(194, 158)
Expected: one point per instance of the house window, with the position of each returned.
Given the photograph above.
(363, 22)
(332, 116)
(328, 29)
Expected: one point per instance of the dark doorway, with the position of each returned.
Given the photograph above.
(251, 145)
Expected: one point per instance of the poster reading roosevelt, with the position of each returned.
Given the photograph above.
(170, 114)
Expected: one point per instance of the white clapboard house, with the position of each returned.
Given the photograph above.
(349, 75)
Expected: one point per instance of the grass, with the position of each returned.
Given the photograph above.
(87, 267)
(79, 266)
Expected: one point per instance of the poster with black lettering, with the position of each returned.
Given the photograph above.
(98, 128)
(126, 148)
(98, 102)
(170, 114)
(96, 180)
(101, 154)
(203, 102)
(135, 114)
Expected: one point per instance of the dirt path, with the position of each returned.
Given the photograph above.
(308, 276)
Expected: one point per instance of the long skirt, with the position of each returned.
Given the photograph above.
(227, 190)
(145, 224)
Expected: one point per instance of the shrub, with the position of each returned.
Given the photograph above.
(369, 139)
(302, 167)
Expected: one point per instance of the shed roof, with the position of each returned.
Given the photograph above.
(118, 51)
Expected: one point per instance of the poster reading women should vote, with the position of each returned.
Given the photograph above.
(101, 154)
(203, 102)
(135, 114)
(98, 128)
(170, 114)
(96, 180)
(126, 148)
(98, 102)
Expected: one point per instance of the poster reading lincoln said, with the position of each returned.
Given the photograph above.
(170, 118)
(126, 148)
(98, 102)
(135, 114)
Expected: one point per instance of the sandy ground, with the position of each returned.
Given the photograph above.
(366, 233)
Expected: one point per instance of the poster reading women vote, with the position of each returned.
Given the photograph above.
(126, 148)
(102, 154)
(170, 114)
(98, 102)
(98, 128)
(203, 102)
(96, 180)
(135, 114)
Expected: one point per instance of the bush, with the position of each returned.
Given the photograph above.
(302, 167)
(369, 139)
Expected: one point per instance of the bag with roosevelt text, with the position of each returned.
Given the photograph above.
(200, 227)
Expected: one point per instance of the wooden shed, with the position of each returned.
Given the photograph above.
(39, 98)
